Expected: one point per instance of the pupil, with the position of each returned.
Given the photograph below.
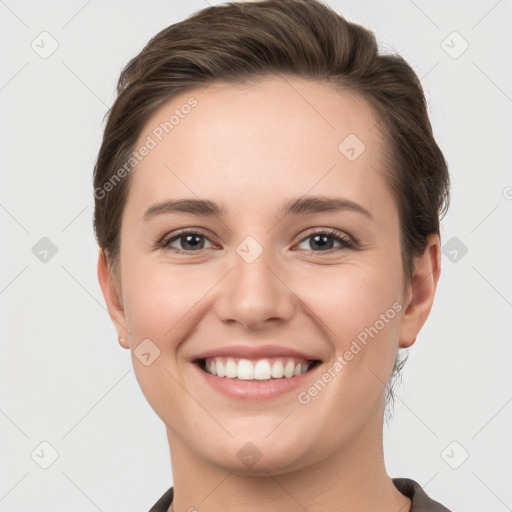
(190, 237)
(315, 238)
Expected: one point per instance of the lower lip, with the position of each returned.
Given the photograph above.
(255, 389)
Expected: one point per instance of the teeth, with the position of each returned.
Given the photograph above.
(245, 370)
(261, 369)
(220, 369)
(289, 369)
(231, 369)
(277, 370)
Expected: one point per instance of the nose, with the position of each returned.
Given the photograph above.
(255, 293)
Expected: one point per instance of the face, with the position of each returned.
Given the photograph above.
(293, 286)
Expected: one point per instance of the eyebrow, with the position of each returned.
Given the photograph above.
(299, 206)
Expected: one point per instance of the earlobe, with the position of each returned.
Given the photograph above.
(427, 269)
(113, 299)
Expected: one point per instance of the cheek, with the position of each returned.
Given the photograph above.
(362, 307)
(160, 305)
(160, 301)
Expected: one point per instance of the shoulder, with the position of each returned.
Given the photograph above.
(421, 502)
(163, 504)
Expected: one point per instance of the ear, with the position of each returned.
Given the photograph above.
(112, 296)
(420, 297)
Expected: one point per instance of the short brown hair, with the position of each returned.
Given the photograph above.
(244, 42)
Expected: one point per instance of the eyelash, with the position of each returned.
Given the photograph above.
(331, 233)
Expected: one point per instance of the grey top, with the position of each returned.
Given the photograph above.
(420, 501)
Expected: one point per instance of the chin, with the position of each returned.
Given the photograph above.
(259, 456)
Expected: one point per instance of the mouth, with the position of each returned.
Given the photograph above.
(257, 370)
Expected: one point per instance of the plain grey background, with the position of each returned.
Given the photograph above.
(69, 400)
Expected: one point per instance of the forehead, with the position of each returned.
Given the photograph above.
(278, 137)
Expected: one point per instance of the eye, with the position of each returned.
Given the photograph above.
(321, 239)
(194, 241)
(190, 241)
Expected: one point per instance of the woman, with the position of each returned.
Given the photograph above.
(267, 203)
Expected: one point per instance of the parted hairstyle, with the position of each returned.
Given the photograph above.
(243, 42)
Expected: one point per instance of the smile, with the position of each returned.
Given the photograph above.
(262, 369)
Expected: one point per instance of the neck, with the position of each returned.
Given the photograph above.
(351, 479)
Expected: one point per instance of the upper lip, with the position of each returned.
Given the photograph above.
(254, 352)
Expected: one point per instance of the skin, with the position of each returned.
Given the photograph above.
(251, 148)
